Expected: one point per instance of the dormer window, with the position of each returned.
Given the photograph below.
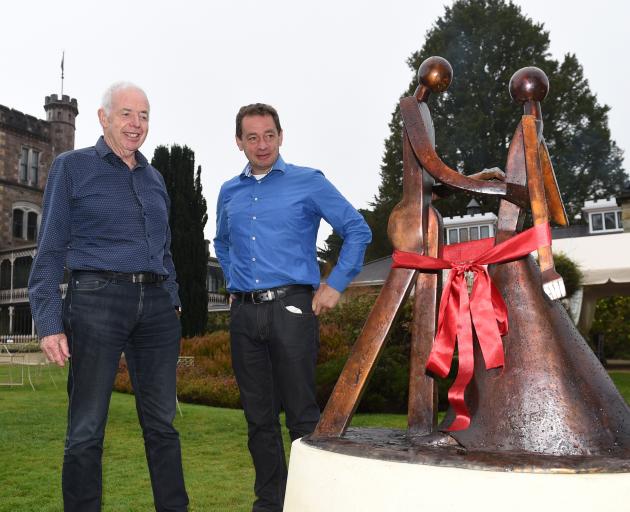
(472, 226)
(468, 233)
(604, 216)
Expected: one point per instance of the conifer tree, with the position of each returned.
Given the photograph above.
(187, 219)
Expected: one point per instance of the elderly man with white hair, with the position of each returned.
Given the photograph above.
(105, 221)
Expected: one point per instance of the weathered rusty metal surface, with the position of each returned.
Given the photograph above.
(362, 359)
(511, 217)
(536, 187)
(557, 213)
(399, 446)
(422, 403)
(431, 162)
(552, 407)
(553, 396)
(407, 229)
(408, 221)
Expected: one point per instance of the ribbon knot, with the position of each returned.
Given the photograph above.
(482, 312)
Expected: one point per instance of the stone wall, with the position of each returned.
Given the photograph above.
(18, 130)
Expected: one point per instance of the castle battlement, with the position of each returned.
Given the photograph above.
(26, 124)
(65, 102)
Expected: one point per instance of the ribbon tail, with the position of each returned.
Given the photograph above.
(441, 356)
(488, 317)
(456, 394)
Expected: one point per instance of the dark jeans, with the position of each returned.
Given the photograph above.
(103, 318)
(274, 352)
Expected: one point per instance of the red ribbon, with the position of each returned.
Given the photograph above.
(484, 309)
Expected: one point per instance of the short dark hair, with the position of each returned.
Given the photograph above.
(256, 109)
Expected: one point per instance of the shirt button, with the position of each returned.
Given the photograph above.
(258, 280)
(254, 217)
(255, 199)
(253, 259)
(253, 238)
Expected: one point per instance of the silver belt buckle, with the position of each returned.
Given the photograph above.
(269, 295)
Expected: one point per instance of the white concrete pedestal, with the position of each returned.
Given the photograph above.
(326, 481)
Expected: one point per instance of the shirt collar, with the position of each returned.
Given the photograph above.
(102, 149)
(279, 165)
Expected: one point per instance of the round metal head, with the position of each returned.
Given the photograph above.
(436, 74)
(529, 84)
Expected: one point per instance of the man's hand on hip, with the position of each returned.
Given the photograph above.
(325, 298)
(55, 347)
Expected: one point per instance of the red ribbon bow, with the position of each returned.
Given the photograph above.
(484, 309)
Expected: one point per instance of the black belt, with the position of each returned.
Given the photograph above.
(258, 296)
(136, 277)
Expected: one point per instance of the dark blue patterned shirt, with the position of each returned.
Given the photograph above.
(267, 229)
(98, 215)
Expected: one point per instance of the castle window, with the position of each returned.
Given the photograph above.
(25, 220)
(29, 166)
(24, 166)
(31, 226)
(34, 168)
(18, 223)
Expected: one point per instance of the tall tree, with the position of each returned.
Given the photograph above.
(187, 218)
(486, 41)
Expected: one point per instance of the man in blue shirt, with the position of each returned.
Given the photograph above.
(267, 222)
(105, 220)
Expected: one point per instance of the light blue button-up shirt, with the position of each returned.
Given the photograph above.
(267, 229)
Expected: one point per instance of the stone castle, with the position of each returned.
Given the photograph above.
(27, 148)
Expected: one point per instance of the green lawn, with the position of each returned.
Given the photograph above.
(219, 476)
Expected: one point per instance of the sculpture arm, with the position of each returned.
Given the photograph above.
(431, 162)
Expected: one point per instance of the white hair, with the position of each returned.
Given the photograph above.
(106, 102)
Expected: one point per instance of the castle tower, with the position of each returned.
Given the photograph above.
(61, 113)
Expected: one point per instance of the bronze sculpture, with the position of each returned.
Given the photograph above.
(551, 405)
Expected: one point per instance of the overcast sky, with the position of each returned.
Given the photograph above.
(333, 69)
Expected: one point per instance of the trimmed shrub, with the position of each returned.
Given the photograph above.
(218, 321)
(612, 318)
(570, 272)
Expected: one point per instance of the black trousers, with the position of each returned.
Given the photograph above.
(274, 352)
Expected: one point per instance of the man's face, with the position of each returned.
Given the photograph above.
(127, 124)
(261, 142)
